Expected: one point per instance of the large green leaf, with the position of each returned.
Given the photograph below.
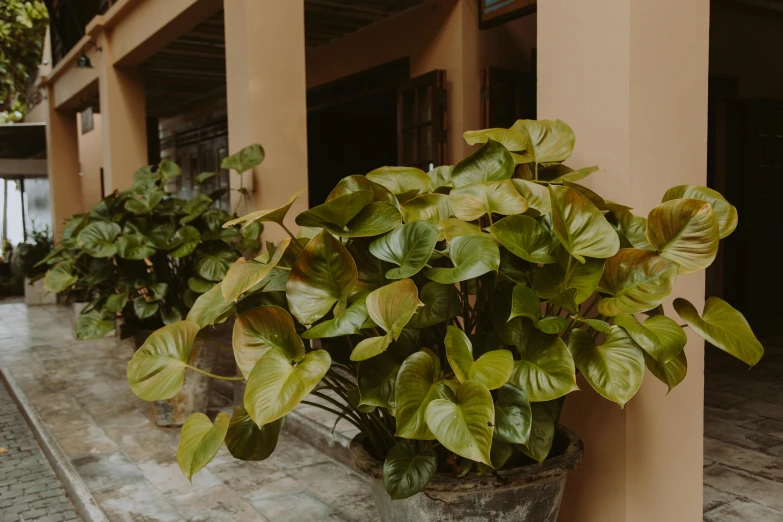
(157, 370)
(660, 336)
(246, 441)
(93, 325)
(347, 323)
(492, 369)
(209, 307)
(491, 162)
(542, 432)
(633, 228)
(338, 211)
(134, 246)
(195, 208)
(358, 183)
(390, 307)
(513, 140)
(513, 416)
(490, 197)
(525, 303)
(97, 238)
(524, 237)
(465, 425)
(547, 141)
(441, 176)
(276, 385)
(684, 231)
(188, 239)
(637, 280)
(454, 227)
(200, 441)
(245, 159)
(244, 275)
(141, 202)
(275, 215)
(472, 256)
(409, 246)
(144, 308)
(400, 180)
(324, 274)
(724, 212)
(60, 278)
(441, 302)
(427, 207)
(213, 266)
(614, 369)
(375, 219)
(536, 195)
(670, 373)
(418, 383)
(261, 329)
(724, 327)
(579, 225)
(406, 471)
(545, 369)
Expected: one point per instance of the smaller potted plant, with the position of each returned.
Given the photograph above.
(29, 254)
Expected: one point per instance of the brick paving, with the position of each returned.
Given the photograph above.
(29, 489)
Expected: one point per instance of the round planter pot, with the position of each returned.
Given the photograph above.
(527, 494)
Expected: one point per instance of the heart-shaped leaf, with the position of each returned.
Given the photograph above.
(390, 307)
(684, 231)
(157, 370)
(188, 239)
(491, 162)
(565, 300)
(261, 329)
(595, 324)
(409, 246)
(546, 141)
(441, 176)
(553, 279)
(144, 308)
(542, 431)
(579, 225)
(441, 302)
(492, 369)
(455, 227)
(490, 197)
(552, 324)
(637, 280)
(209, 307)
(134, 246)
(513, 416)
(277, 384)
(472, 256)
(141, 202)
(633, 228)
(513, 140)
(246, 441)
(400, 180)
(724, 212)
(195, 208)
(465, 425)
(670, 373)
(376, 378)
(213, 266)
(324, 274)
(97, 238)
(358, 183)
(275, 215)
(244, 160)
(347, 323)
(660, 336)
(60, 277)
(418, 383)
(338, 211)
(200, 441)
(614, 369)
(545, 369)
(525, 303)
(524, 237)
(724, 327)
(244, 275)
(93, 325)
(375, 219)
(536, 195)
(427, 207)
(406, 471)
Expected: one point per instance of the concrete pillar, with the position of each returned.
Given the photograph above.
(62, 152)
(124, 119)
(265, 82)
(630, 77)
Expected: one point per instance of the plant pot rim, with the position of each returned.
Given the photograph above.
(515, 477)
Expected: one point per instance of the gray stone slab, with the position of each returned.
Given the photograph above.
(754, 462)
(751, 487)
(743, 511)
(297, 507)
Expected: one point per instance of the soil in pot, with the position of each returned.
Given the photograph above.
(526, 494)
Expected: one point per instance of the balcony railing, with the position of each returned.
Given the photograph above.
(67, 20)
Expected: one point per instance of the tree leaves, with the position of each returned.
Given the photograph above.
(472, 256)
(406, 472)
(637, 280)
(200, 441)
(684, 231)
(409, 246)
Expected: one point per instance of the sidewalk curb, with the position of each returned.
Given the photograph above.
(74, 486)
(334, 445)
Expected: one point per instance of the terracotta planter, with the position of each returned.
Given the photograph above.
(35, 294)
(526, 494)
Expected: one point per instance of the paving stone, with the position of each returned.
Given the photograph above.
(166, 476)
(108, 471)
(296, 507)
(752, 487)
(714, 498)
(743, 511)
(138, 502)
(748, 460)
(218, 504)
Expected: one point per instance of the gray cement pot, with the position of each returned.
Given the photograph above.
(35, 294)
(526, 494)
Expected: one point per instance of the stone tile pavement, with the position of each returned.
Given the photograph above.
(29, 489)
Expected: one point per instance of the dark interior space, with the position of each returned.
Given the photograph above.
(353, 137)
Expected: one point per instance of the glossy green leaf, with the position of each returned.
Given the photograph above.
(634, 229)
(524, 237)
(511, 139)
(614, 369)
(684, 231)
(60, 278)
(195, 208)
(565, 300)
(427, 207)
(338, 211)
(558, 173)
(542, 431)
(660, 336)
(277, 384)
(491, 197)
(513, 416)
(418, 383)
(514, 268)
(144, 308)
(491, 162)
(725, 213)
(140, 203)
(552, 324)
(536, 195)
(636, 280)
(275, 215)
(324, 274)
(525, 303)
(441, 176)
(200, 441)
(472, 256)
(213, 266)
(492, 369)
(347, 323)
(204, 176)
(400, 180)
(724, 327)
(546, 141)
(98, 238)
(359, 183)
(244, 275)
(209, 307)
(595, 324)
(134, 246)
(246, 441)
(409, 247)
(93, 325)
(406, 471)
(545, 369)
(670, 373)
(464, 426)
(188, 238)
(579, 225)
(157, 370)
(375, 219)
(244, 160)
(441, 302)
(594, 198)
(260, 329)
(454, 227)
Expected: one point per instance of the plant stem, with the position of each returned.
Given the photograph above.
(293, 236)
(535, 169)
(330, 410)
(219, 377)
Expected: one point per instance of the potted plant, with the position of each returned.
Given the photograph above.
(29, 255)
(446, 315)
(143, 256)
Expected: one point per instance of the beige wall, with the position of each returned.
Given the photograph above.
(90, 162)
(631, 79)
